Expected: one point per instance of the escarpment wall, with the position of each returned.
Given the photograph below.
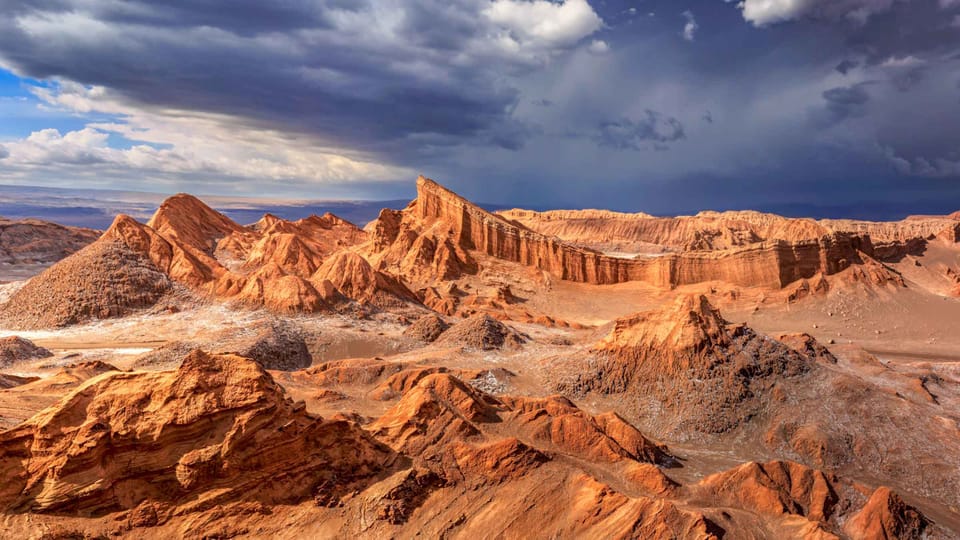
(770, 264)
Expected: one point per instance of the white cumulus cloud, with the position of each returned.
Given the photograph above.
(542, 23)
(169, 144)
(689, 32)
(765, 12)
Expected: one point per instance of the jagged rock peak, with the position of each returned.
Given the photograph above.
(189, 220)
(690, 323)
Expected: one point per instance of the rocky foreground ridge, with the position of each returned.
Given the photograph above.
(217, 447)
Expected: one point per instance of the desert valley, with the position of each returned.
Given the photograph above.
(448, 372)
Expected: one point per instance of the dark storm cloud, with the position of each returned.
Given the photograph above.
(870, 31)
(845, 102)
(373, 76)
(510, 109)
(652, 127)
(917, 28)
(846, 65)
(905, 79)
(243, 17)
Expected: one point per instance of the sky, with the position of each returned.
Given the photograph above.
(820, 107)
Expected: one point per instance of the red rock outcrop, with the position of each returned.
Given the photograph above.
(217, 447)
(832, 505)
(299, 247)
(706, 374)
(559, 424)
(285, 250)
(886, 517)
(353, 276)
(436, 408)
(218, 429)
(776, 488)
(112, 277)
(187, 220)
(15, 349)
(481, 332)
(277, 264)
(439, 215)
(806, 345)
(456, 432)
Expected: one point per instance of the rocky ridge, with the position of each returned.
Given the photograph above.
(218, 442)
(32, 241)
(440, 229)
(202, 435)
(187, 246)
(714, 231)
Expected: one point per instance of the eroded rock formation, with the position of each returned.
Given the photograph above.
(216, 430)
(481, 332)
(442, 226)
(216, 446)
(112, 277)
(281, 265)
(15, 349)
(708, 375)
(713, 231)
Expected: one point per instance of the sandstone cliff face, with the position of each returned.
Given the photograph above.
(439, 217)
(218, 429)
(711, 231)
(707, 231)
(950, 233)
